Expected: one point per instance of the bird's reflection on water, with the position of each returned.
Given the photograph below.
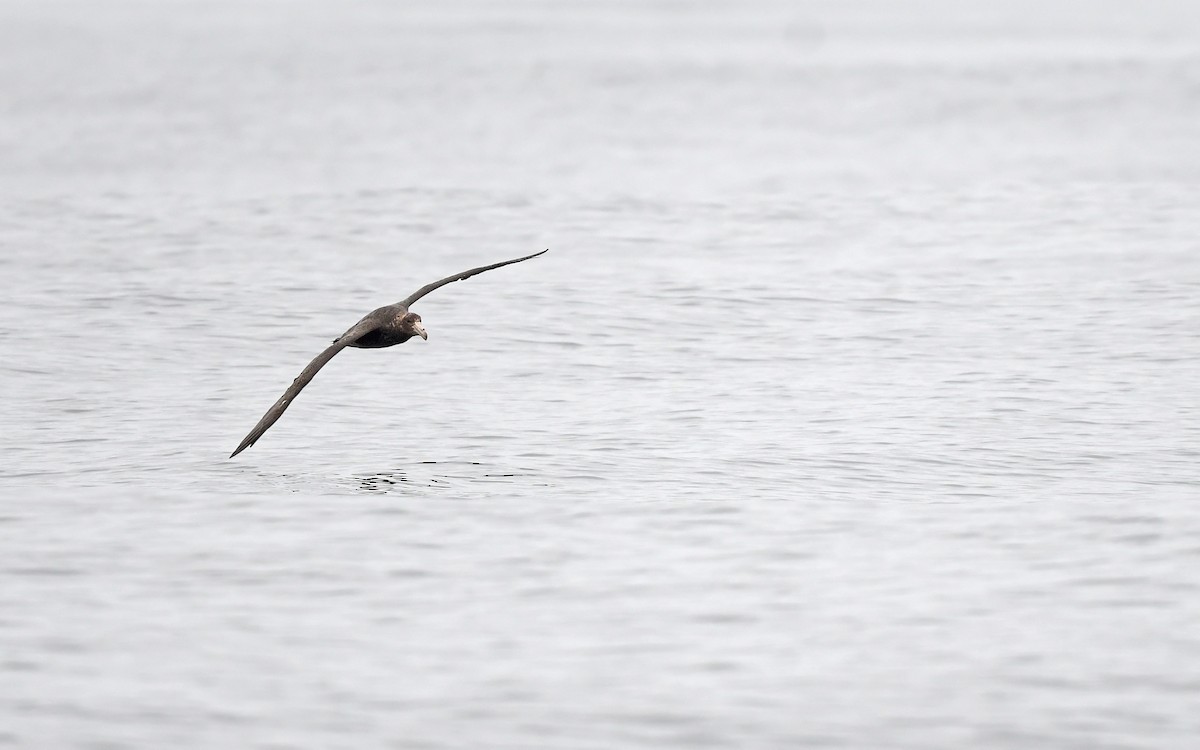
(421, 476)
(382, 482)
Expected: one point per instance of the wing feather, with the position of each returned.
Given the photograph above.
(366, 325)
(460, 276)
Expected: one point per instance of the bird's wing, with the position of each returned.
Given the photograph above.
(460, 276)
(366, 325)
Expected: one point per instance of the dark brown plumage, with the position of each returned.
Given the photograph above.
(386, 326)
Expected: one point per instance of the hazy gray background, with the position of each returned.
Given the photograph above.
(855, 404)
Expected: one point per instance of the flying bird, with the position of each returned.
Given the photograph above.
(386, 326)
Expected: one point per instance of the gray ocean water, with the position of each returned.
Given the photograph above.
(855, 405)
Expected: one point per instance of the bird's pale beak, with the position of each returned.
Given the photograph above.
(420, 329)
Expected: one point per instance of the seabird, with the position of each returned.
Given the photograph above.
(386, 326)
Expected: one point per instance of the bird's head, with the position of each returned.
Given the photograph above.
(411, 324)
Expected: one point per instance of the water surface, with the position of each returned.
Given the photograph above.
(854, 405)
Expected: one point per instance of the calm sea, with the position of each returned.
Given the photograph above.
(856, 404)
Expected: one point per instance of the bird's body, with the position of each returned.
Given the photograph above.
(389, 331)
(385, 326)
